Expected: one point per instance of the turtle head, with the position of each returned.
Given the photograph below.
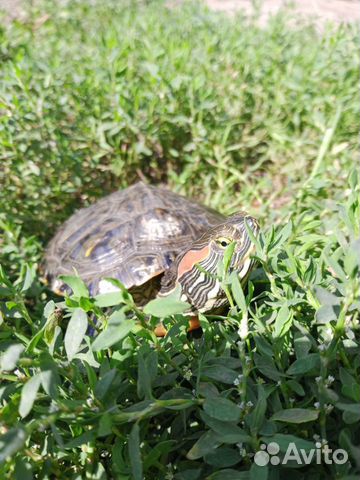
(194, 274)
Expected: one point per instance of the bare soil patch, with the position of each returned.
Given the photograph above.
(337, 11)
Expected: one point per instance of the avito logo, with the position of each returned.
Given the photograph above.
(269, 454)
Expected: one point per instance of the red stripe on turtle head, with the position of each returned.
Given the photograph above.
(191, 258)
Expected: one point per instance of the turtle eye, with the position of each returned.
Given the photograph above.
(223, 242)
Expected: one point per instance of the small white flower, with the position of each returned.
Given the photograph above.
(328, 334)
(322, 347)
(318, 379)
(317, 404)
(349, 333)
(242, 450)
(291, 400)
(330, 379)
(241, 405)
(278, 383)
(249, 404)
(188, 374)
(19, 374)
(243, 331)
(238, 379)
(328, 407)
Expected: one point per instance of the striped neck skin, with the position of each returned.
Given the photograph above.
(193, 276)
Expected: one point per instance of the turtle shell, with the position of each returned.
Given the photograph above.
(133, 235)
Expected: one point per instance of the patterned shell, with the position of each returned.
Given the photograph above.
(133, 235)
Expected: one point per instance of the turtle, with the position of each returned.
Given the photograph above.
(156, 242)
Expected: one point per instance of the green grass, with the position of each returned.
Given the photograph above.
(237, 116)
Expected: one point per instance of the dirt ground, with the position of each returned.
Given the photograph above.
(337, 11)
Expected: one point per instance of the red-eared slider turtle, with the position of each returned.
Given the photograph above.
(155, 242)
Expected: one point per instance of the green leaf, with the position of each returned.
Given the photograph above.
(228, 254)
(104, 383)
(23, 470)
(109, 299)
(296, 415)
(284, 441)
(353, 179)
(266, 366)
(352, 258)
(254, 239)
(325, 297)
(134, 452)
(229, 474)
(54, 317)
(219, 373)
(75, 332)
(326, 314)
(160, 449)
(115, 332)
(222, 409)
(30, 276)
(257, 417)
(120, 464)
(163, 307)
(302, 345)
(77, 286)
(10, 357)
(222, 457)
(105, 425)
(28, 395)
(349, 407)
(335, 266)
(238, 293)
(49, 308)
(283, 321)
(49, 376)
(263, 346)
(350, 417)
(346, 442)
(296, 387)
(227, 432)
(82, 439)
(350, 387)
(259, 472)
(305, 364)
(11, 442)
(207, 442)
(283, 235)
(147, 370)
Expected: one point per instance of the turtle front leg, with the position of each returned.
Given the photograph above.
(160, 330)
(194, 324)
